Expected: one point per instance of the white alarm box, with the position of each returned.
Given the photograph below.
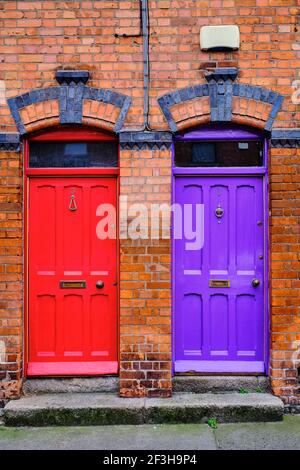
(219, 37)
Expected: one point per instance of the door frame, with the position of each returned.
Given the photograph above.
(214, 133)
(74, 133)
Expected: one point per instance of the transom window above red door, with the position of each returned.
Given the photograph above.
(73, 154)
(75, 149)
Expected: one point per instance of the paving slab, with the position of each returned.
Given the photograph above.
(144, 437)
(79, 409)
(283, 435)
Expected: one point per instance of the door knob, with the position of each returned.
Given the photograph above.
(99, 284)
(255, 282)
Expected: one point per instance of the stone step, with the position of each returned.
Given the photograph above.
(220, 384)
(78, 409)
(194, 384)
(71, 385)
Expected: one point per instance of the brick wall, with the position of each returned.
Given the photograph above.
(284, 273)
(11, 278)
(39, 37)
(145, 322)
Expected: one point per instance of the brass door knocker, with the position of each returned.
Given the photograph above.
(73, 205)
(219, 212)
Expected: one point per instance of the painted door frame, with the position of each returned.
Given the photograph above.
(55, 135)
(226, 132)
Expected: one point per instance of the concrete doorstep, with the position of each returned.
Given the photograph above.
(81, 409)
(220, 384)
(70, 385)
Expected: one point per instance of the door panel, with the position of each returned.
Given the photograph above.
(72, 329)
(219, 324)
(219, 328)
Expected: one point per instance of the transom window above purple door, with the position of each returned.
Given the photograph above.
(220, 153)
(223, 149)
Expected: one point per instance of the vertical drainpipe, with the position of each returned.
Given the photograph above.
(145, 33)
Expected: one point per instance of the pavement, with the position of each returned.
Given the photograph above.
(283, 435)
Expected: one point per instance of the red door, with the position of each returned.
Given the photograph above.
(72, 278)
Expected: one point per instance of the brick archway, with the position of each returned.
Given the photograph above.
(220, 101)
(69, 104)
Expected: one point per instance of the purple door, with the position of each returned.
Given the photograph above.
(219, 288)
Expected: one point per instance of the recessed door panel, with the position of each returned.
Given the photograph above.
(45, 333)
(73, 315)
(72, 228)
(102, 335)
(192, 324)
(246, 228)
(219, 324)
(218, 239)
(246, 325)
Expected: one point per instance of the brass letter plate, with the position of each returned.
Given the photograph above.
(72, 284)
(219, 283)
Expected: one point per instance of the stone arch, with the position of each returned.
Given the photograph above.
(69, 104)
(220, 100)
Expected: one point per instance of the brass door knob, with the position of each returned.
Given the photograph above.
(255, 282)
(99, 284)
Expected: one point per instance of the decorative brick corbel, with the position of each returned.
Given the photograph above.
(139, 140)
(10, 142)
(285, 138)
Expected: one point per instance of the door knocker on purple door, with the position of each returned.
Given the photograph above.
(219, 212)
